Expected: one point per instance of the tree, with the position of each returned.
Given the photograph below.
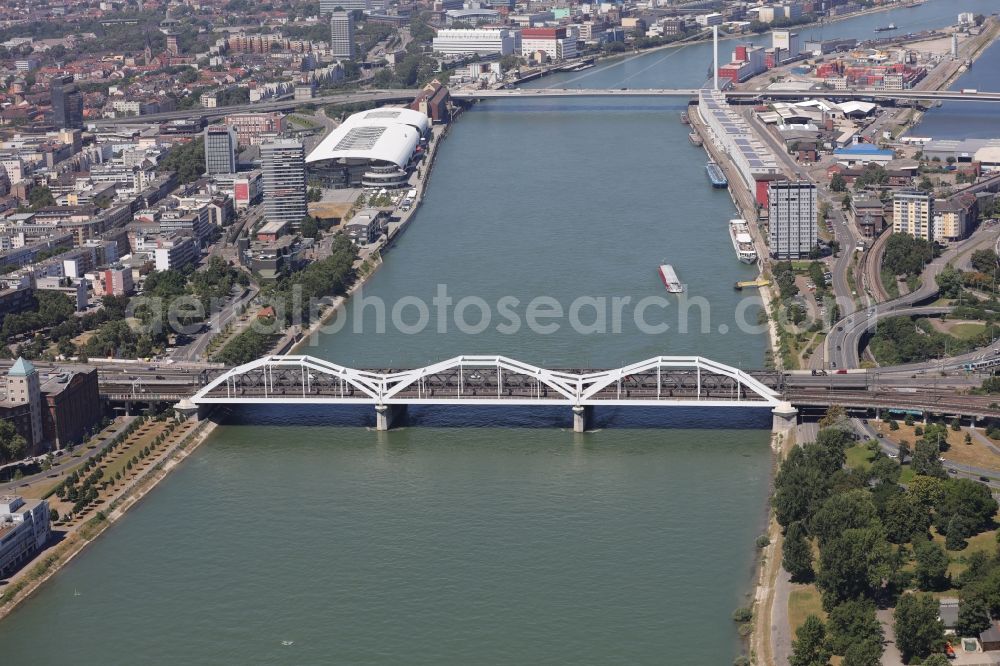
(925, 184)
(937, 659)
(903, 518)
(309, 227)
(849, 510)
(957, 531)
(800, 487)
(973, 616)
(40, 197)
(809, 648)
(919, 632)
(12, 445)
(854, 564)
(835, 414)
(796, 554)
(931, 566)
(853, 622)
(926, 460)
(970, 499)
(187, 160)
(904, 451)
(863, 653)
(985, 261)
(885, 470)
(838, 183)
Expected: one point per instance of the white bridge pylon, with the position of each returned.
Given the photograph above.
(489, 380)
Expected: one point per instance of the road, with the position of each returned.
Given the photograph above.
(393, 95)
(195, 350)
(891, 447)
(844, 339)
(67, 462)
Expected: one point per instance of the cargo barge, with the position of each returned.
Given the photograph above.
(670, 280)
(716, 175)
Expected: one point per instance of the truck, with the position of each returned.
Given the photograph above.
(969, 91)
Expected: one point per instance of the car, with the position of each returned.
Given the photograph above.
(941, 459)
(984, 479)
(952, 470)
(893, 455)
(841, 328)
(880, 436)
(865, 421)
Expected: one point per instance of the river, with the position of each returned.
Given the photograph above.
(967, 120)
(474, 535)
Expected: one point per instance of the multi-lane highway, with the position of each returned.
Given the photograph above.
(392, 95)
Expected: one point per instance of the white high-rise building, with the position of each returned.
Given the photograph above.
(284, 181)
(791, 222)
(483, 41)
(913, 214)
(786, 40)
(342, 35)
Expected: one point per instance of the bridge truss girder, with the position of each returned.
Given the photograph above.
(660, 381)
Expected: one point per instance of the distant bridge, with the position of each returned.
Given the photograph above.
(406, 95)
(666, 381)
(735, 95)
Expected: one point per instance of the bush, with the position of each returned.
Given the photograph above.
(763, 540)
(744, 614)
(893, 425)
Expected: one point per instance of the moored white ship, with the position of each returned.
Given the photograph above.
(739, 232)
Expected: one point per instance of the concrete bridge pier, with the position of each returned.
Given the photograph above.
(386, 416)
(784, 418)
(583, 418)
(188, 409)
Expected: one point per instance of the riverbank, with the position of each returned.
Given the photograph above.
(293, 342)
(50, 561)
(618, 58)
(768, 558)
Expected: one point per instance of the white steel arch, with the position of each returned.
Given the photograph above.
(310, 380)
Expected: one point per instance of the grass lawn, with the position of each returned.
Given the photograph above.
(859, 456)
(975, 454)
(967, 330)
(803, 601)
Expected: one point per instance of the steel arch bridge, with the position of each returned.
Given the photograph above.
(667, 381)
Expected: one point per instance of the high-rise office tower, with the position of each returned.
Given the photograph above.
(284, 181)
(342, 35)
(220, 149)
(791, 219)
(67, 103)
